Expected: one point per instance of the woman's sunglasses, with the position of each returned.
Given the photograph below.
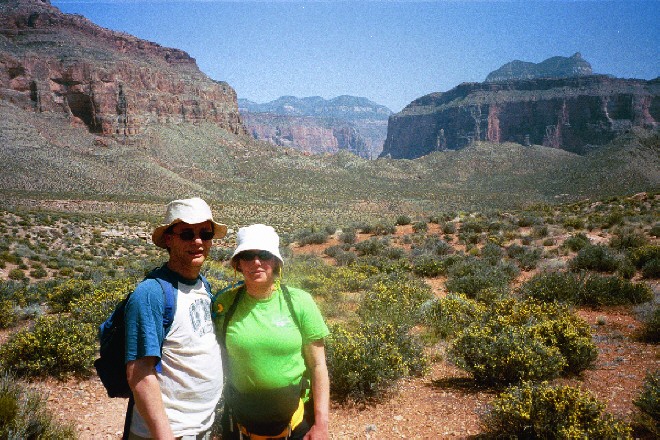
(249, 255)
(189, 235)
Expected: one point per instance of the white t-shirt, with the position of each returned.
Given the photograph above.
(191, 378)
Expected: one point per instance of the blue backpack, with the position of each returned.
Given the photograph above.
(111, 365)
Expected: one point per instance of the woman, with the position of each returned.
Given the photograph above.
(272, 338)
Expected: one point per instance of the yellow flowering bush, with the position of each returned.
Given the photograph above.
(513, 341)
(54, 346)
(364, 363)
(543, 411)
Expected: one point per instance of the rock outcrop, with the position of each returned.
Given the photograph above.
(315, 125)
(555, 67)
(573, 114)
(110, 82)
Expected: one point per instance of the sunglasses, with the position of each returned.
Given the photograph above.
(249, 255)
(189, 235)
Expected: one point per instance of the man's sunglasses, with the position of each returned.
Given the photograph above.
(249, 255)
(189, 235)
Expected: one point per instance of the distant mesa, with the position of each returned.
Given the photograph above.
(557, 103)
(316, 125)
(555, 67)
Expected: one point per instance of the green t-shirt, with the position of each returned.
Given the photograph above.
(263, 341)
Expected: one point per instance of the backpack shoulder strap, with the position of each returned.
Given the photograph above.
(289, 303)
(207, 285)
(228, 315)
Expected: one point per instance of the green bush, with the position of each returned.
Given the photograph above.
(651, 268)
(54, 346)
(365, 363)
(348, 236)
(650, 330)
(95, 307)
(24, 414)
(8, 315)
(420, 227)
(595, 257)
(372, 246)
(426, 265)
(394, 298)
(449, 228)
(648, 402)
(59, 298)
(542, 411)
(576, 242)
(449, 315)
(553, 286)
(628, 239)
(16, 275)
(515, 341)
(527, 257)
(590, 290)
(613, 290)
(471, 276)
(403, 220)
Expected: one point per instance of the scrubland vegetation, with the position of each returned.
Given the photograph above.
(505, 312)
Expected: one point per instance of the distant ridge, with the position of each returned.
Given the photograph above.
(344, 107)
(555, 67)
(315, 125)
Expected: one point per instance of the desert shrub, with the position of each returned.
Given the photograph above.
(627, 239)
(651, 268)
(317, 237)
(434, 245)
(380, 228)
(52, 347)
(403, 220)
(394, 298)
(24, 414)
(449, 228)
(613, 290)
(542, 411)
(655, 230)
(372, 246)
(626, 269)
(595, 257)
(427, 265)
(364, 363)
(526, 257)
(523, 340)
(8, 314)
(650, 330)
(573, 222)
(576, 242)
(540, 231)
(553, 286)
(527, 220)
(348, 236)
(472, 275)
(60, 297)
(16, 274)
(95, 307)
(648, 402)
(345, 258)
(492, 253)
(451, 314)
(420, 227)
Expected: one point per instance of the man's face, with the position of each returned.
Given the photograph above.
(187, 245)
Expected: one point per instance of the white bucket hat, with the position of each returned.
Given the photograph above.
(191, 211)
(257, 237)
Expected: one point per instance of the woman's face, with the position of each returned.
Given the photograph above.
(257, 267)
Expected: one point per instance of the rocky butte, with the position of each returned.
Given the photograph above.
(110, 82)
(316, 125)
(558, 103)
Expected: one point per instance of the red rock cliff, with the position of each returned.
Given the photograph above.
(111, 82)
(567, 113)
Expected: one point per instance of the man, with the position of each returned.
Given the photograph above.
(175, 390)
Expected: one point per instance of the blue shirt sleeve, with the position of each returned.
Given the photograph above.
(144, 321)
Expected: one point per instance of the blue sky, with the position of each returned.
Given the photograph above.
(390, 52)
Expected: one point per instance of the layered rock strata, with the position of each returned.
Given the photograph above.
(109, 82)
(568, 113)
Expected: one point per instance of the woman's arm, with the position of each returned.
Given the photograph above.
(315, 357)
(148, 399)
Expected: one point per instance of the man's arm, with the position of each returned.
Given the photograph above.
(148, 400)
(315, 357)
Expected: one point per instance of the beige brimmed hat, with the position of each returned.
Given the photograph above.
(257, 237)
(191, 211)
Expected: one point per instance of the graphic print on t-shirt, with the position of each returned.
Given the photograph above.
(200, 317)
